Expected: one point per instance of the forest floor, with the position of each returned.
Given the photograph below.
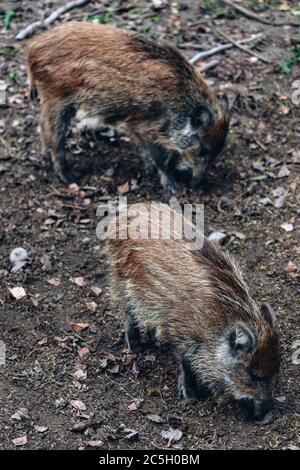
(70, 386)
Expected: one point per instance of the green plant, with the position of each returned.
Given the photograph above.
(296, 11)
(155, 18)
(107, 17)
(13, 76)
(7, 17)
(211, 6)
(286, 65)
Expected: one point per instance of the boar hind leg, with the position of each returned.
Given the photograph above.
(55, 124)
(133, 335)
(45, 141)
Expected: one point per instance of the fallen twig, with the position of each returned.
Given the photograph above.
(209, 65)
(24, 33)
(222, 47)
(243, 48)
(253, 16)
(191, 45)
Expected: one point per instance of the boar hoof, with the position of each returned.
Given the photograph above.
(46, 157)
(267, 419)
(172, 188)
(65, 176)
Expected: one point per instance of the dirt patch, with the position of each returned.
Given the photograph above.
(81, 386)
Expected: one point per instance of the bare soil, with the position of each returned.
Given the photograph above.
(58, 229)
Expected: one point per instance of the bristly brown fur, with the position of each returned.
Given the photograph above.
(199, 302)
(98, 71)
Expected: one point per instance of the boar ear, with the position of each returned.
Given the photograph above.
(224, 103)
(241, 338)
(268, 314)
(202, 116)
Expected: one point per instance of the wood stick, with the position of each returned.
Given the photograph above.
(24, 33)
(209, 65)
(223, 47)
(250, 14)
(192, 45)
(243, 48)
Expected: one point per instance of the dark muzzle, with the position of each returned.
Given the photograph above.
(258, 411)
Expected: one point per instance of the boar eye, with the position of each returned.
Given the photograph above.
(202, 116)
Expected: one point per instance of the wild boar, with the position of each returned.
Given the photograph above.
(198, 302)
(102, 75)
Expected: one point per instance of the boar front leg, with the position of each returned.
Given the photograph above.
(55, 121)
(133, 335)
(165, 162)
(45, 140)
(189, 386)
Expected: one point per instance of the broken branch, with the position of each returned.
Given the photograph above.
(209, 65)
(243, 48)
(250, 14)
(223, 47)
(24, 33)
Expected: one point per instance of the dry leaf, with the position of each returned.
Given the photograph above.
(17, 292)
(158, 4)
(79, 281)
(103, 363)
(131, 435)
(55, 281)
(281, 399)
(20, 414)
(134, 405)
(78, 405)
(239, 235)
(284, 109)
(82, 352)
(43, 341)
(115, 369)
(79, 326)
(41, 429)
(173, 435)
(123, 188)
(96, 290)
(91, 306)
(287, 227)
(73, 188)
(95, 443)
(291, 269)
(155, 418)
(218, 237)
(80, 375)
(20, 441)
(283, 172)
(284, 6)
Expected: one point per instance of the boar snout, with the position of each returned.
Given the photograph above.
(259, 411)
(184, 173)
(263, 411)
